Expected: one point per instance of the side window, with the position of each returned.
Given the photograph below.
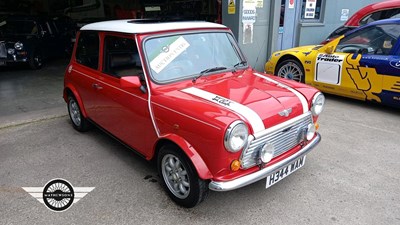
(380, 15)
(377, 40)
(121, 57)
(87, 51)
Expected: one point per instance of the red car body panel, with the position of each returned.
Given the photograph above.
(354, 20)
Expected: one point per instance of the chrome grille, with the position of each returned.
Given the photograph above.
(283, 137)
(3, 50)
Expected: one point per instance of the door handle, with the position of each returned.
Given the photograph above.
(97, 86)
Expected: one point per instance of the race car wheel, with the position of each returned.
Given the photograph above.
(79, 122)
(290, 69)
(179, 178)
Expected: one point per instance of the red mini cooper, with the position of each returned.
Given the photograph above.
(183, 95)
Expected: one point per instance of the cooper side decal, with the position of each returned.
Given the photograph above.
(252, 117)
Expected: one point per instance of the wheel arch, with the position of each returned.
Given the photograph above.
(286, 57)
(72, 91)
(195, 158)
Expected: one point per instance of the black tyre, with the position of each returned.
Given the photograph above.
(179, 177)
(36, 60)
(79, 122)
(290, 69)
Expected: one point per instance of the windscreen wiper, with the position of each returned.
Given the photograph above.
(241, 63)
(213, 69)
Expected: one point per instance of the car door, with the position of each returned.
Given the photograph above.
(124, 112)
(85, 71)
(373, 69)
(363, 58)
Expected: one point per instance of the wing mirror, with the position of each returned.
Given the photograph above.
(329, 49)
(130, 82)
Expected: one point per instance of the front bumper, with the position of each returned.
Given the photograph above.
(13, 59)
(261, 174)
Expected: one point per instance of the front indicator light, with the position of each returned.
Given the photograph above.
(267, 152)
(235, 165)
(316, 126)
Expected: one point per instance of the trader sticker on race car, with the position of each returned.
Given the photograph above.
(168, 53)
(328, 68)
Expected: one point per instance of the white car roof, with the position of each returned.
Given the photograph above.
(130, 26)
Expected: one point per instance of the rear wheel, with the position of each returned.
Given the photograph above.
(79, 122)
(290, 69)
(179, 177)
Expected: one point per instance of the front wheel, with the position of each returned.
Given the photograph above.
(36, 60)
(179, 177)
(290, 69)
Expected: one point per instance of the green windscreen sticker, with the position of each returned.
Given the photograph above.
(168, 53)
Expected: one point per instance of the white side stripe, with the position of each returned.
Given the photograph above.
(251, 116)
(303, 100)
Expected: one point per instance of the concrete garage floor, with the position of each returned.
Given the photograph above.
(30, 95)
(350, 178)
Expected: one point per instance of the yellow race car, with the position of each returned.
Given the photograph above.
(363, 64)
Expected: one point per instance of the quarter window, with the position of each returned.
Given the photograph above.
(87, 51)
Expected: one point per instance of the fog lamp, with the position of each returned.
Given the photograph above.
(310, 131)
(267, 152)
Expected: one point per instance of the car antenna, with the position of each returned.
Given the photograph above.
(259, 53)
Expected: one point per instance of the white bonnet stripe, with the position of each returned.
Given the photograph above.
(303, 100)
(253, 118)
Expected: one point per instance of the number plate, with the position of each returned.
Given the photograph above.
(278, 175)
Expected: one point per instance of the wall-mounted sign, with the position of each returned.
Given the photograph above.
(248, 20)
(309, 12)
(260, 4)
(231, 6)
(291, 4)
(344, 15)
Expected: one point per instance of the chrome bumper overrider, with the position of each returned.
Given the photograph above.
(254, 177)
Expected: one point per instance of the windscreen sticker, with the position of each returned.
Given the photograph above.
(328, 68)
(168, 53)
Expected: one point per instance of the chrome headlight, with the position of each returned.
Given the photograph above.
(11, 51)
(318, 103)
(19, 45)
(236, 136)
